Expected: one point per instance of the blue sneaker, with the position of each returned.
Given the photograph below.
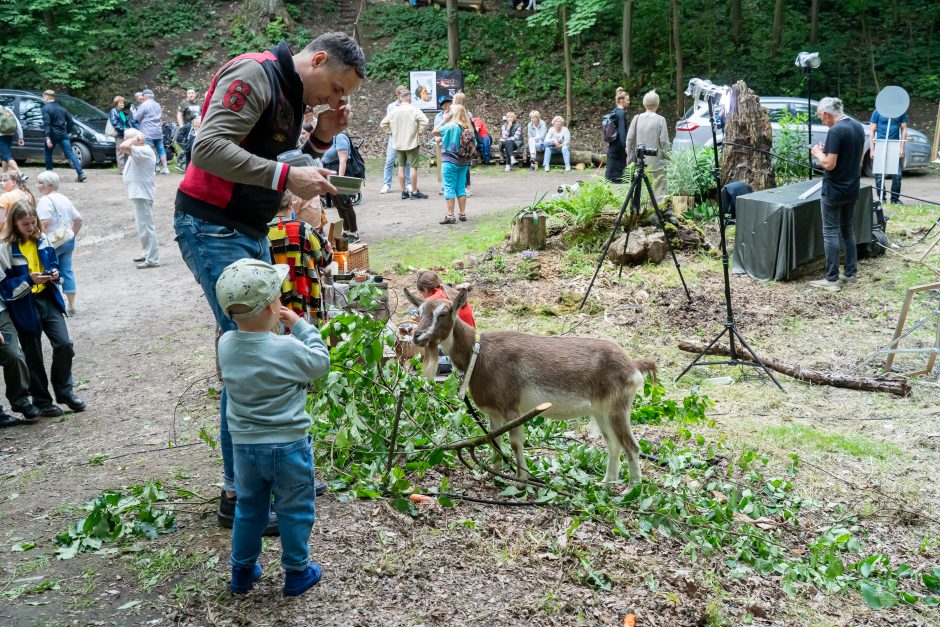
(243, 578)
(296, 582)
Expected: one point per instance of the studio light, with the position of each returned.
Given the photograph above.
(807, 60)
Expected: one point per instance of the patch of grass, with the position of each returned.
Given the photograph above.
(153, 569)
(809, 438)
(440, 249)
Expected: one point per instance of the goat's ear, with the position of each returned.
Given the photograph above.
(417, 301)
(461, 299)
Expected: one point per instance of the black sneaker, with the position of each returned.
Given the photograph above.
(50, 411)
(419, 195)
(72, 402)
(29, 411)
(6, 420)
(405, 196)
(81, 178)
(226, 516)
(320, 487)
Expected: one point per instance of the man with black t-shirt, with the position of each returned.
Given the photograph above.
(841, 158)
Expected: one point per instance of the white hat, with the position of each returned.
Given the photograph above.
(249, 282)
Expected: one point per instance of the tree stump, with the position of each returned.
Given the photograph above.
(529, 232)
(748, 125)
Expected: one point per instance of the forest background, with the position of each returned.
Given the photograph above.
(512, 59)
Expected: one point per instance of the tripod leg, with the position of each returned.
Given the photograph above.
(702, 354)
(735, 333)
(633, 195)
(662, 226)
(610, 240)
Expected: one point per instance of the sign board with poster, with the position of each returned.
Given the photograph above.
(424, 89)
(428, 86)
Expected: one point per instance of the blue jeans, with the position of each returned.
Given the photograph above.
(484, 145)
(837, 224)
(895, 183)
(286, 471)
(390, 156)
(207, 249)
(67, 149)
(565, 153)
(157, 145)
(64, 255)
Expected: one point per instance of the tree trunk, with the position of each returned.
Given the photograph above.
(778, 24)
(453, 34)
(898, 387)
(569, 104)
(257, 14)
(813, 21)
(529, 232)
(748, 124)
(680, 88)
(736, 21)
(626, 48)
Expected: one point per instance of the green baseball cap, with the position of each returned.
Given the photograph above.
(249, 282)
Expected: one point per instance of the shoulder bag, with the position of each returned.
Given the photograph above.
(63, 234)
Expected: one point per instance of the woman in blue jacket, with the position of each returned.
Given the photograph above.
(30, 275)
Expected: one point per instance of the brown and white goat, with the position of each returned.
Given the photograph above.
(514, 372)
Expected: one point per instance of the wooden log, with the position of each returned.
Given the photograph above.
(898, 387)
(528, 232)
(748, 125)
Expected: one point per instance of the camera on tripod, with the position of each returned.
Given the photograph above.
(643, 151)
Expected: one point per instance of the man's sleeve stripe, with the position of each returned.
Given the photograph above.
(280, 177)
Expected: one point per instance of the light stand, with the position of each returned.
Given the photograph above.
(809, 61)
(633, 201)
(749, 358)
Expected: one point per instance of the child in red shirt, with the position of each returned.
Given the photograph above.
(430, 287)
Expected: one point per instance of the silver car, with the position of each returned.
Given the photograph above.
(694, 128)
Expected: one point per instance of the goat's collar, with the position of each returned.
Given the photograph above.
(473, 362)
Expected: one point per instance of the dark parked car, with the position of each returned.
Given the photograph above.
(89, 143)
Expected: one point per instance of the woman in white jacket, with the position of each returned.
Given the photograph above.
(558, 139)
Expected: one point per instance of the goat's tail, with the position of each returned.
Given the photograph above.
(647, 366)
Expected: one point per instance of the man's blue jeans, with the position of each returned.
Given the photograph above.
(895, 183)
(390, 156)
(484, 145)
(285, 470)
(207, 249)
(67, 149)
(838, 224)
(565, 154)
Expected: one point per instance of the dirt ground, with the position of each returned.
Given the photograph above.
(144, 363)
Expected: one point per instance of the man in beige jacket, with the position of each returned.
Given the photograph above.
(406, 123)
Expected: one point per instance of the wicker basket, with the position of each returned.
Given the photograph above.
(405, 349)
(359, 257)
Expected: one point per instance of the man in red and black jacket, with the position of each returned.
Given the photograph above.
(252, 113)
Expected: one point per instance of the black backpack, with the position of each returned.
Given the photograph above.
(355, 166)
(609, 126)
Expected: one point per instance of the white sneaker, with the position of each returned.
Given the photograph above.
(546, 168)
(165, 171)
(826, 284)
(408, 188)
(506, 169)
(567, 168)
(512, 161)
(385, 189)
(848, 279)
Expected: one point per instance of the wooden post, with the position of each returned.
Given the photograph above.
(748, 125)
(936, 138)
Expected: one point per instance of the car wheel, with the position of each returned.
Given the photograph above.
(866, 164)
(83, 153)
